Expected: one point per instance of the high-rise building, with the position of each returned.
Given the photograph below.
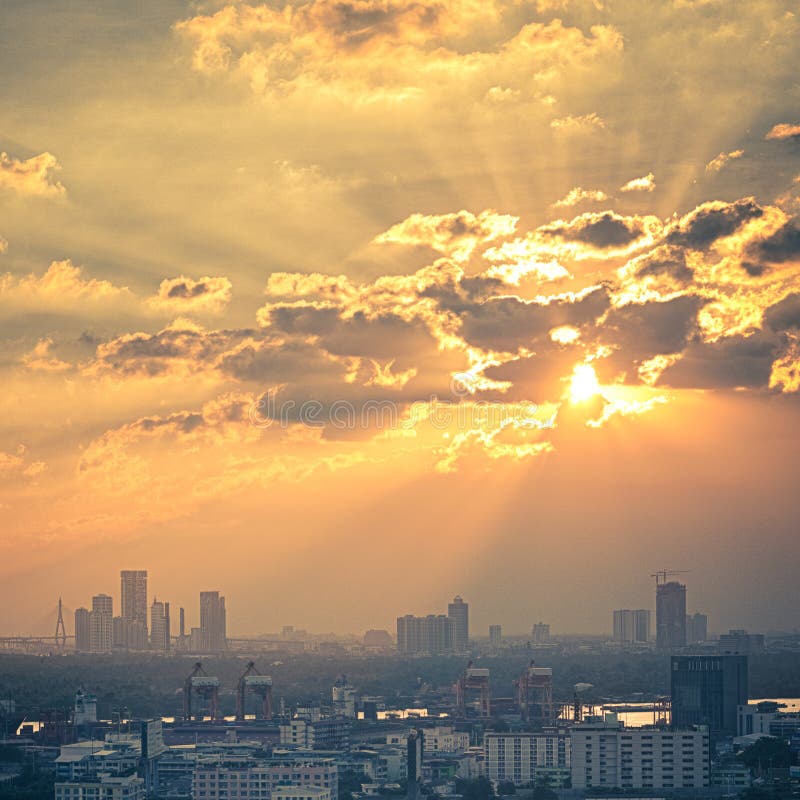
(159, 626)
(670, 615)
(631, 626)
(495, 635)
(696, 628)
(82, 635)
(101, 621)
(708, 690)
(432, 634)
(541, 633)
(213, 625)
(133, 595)
(458, 611)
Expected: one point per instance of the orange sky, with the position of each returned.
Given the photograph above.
(343, 308)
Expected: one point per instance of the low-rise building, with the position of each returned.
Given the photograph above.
(256, 780)
(445, 739)
(102, 787)
(320, 734)
(300, 793)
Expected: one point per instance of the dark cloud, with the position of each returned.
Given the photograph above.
(783, 245)
(736, 361)
(784, 315)
(183, 289)
(643, 330)
(381, 336)
(159, 353)
(601, 230)
(708, 222)
(664, 260)
(285, 362)
(540, 377)
(506, 323)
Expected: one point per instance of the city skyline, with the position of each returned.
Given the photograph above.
(628, 627)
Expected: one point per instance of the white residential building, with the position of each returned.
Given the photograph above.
(444, 739)
(522, 757)
(103, 787)
(609, 755)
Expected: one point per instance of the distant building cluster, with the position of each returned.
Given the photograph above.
(99, 631)
(435, 634)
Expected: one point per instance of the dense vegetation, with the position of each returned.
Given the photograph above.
(149, 685)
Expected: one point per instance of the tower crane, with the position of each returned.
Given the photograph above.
(661, 575)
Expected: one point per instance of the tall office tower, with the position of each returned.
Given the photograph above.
(631, 626)
(541, 633)
(101, 622)
(82, 639)
(495, 635)
(696, 628)
(707, 690)
(458, 611)
(159, 626)
(134, 596)
(212, 621)
(670, 615)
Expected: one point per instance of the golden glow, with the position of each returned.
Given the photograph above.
(565, 334)
(583, 384)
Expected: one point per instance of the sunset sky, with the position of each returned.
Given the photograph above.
(345, 307)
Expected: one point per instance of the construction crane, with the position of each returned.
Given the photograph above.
(535, 694)
(473, 680)
(260, 685)
(206, 687)
(663, 573)
(577, 703)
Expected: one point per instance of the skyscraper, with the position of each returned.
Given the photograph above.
(458, 611)
(133, 595)
(213, 633)
(670, 615)
(696, 628)
(631, 626)
(707, 690)
(159, 626)
(101, 630)
(541, 633)
(82, 637)
(495, 635)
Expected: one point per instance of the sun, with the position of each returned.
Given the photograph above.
(584, 384)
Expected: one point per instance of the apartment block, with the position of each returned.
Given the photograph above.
(523, 757)
(608, 755)
(258, 780)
